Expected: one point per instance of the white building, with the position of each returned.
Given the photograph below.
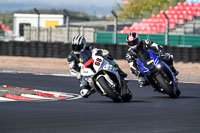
(46, 20)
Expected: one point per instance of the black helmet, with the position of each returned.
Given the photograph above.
(78, 44)
(133, 39)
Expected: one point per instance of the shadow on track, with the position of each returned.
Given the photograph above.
(181, 97)
(188, 97)
(111, 102)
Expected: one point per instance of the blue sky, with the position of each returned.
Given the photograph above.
(102, 7)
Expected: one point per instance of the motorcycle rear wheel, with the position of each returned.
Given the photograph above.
(109, 91)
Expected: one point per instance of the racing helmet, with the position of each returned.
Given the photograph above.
(78, 44)
(133, 39)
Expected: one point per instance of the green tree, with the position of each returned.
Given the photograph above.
(6, 18)
(143, 8)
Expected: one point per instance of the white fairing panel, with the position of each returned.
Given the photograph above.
(98, 60)
(100, 64)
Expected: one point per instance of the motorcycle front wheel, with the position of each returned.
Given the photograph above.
(109, 91)
(166, 86)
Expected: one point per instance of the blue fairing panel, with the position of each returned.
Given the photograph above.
(154, 57)
(141, 65)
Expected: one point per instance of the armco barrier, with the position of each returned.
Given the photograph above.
(61, 50)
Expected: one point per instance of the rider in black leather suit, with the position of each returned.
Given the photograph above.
(134, 41)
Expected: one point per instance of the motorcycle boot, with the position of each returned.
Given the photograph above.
(142, 81)
(86, 92)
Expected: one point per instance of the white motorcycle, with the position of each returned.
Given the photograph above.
(103, 77)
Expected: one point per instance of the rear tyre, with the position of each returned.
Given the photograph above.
(167, 87)
(109, 91)
(127, 97)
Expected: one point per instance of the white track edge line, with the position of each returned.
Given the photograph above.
(36, 97)
(69, 75)
(6, 99)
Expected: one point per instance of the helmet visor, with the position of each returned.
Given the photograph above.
(77, 48)
(134, 42)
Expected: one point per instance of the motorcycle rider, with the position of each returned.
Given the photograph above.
(134, 42)
(78, 45)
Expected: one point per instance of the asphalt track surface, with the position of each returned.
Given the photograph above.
(148, 112)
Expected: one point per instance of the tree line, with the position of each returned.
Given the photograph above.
(138, 9)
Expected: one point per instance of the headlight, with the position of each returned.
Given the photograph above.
(149, 62)
(158, 66)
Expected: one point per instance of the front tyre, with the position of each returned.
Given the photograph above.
(177, 90)
(166, 86)
(109, 91)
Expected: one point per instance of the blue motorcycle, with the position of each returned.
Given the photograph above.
(157, 73)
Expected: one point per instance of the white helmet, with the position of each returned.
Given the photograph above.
(78, 44)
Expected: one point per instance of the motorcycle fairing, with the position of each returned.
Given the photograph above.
(153, 59)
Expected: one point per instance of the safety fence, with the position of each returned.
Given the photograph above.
(174, 40)
(61, 50)
(58, 34)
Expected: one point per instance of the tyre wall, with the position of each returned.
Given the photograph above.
(61, 50)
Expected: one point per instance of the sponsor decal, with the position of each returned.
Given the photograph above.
(85, 71)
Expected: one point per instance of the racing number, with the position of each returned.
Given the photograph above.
(98, 61)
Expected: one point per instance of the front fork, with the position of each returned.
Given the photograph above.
(121, 82)
(109, 79)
